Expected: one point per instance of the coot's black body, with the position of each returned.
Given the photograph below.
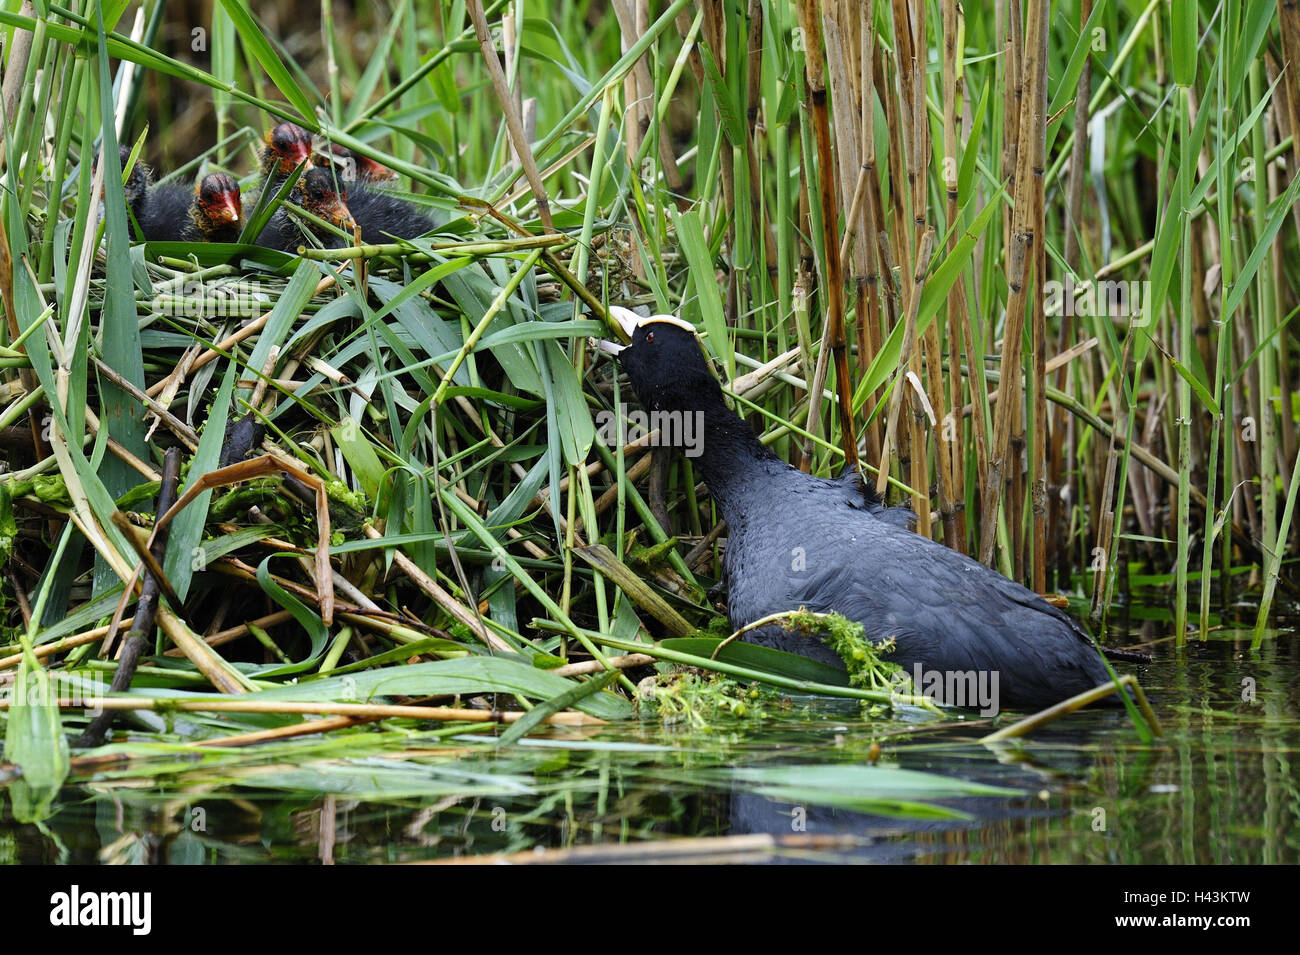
(795, 540)
(170, 212)
(318, 193)
(162, 211)
(384, 216)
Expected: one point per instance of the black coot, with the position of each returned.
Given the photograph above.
(287, 147)
(795, 540)
(162, 210)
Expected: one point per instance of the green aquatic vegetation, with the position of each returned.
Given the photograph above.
(863, 659)
(702, 699)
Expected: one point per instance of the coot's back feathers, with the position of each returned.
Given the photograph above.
(861, 493)
(384, 216)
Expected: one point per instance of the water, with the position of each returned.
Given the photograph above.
(800, 785)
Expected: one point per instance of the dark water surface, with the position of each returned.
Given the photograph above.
(801, 785)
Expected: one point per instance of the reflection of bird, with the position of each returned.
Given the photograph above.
(317, 193)
(829, 545)
(216, 213)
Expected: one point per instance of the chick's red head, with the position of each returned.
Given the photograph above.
(219, 200)
(287, 147)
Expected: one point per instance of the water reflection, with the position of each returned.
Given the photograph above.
(1219, 789)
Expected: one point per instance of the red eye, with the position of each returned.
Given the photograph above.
(649, 337)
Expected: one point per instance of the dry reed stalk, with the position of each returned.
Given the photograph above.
(297, 708)
(1037, 298)
(910, 355)
(951, 432)
(834, 336)
(894, 237)
(1001, 462)
(869, 287)
(514, 124)
(1057, 513)
(753, 103)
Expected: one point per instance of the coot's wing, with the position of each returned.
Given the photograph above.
(947, 612)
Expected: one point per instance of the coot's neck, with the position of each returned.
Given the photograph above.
(734, 463)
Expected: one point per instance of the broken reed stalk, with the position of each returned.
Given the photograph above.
(833, 280)
(514, 125)
(1052, 713)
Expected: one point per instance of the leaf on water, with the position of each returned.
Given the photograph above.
(468, 675)
(34, 741)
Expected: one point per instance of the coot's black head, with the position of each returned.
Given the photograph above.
(664, 361)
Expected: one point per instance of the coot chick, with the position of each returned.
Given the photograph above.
(317, 193)
(382, 215)
(162, 210)
(795, 540)
(287, 147)
(216, 213)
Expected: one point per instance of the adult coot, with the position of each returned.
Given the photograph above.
(795, 540)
